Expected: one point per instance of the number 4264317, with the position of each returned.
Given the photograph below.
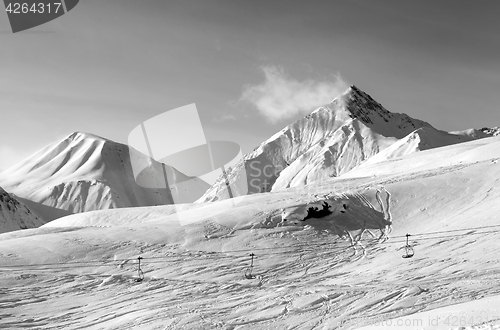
(36, 8)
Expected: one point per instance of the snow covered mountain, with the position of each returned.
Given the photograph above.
(495, 131)
(331, 141)
(84, 172)
(479, 133)
(14, 215)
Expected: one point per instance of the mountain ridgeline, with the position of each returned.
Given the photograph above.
(84, 172)
(333, 140)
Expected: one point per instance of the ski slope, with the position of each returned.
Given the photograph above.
(79, 271)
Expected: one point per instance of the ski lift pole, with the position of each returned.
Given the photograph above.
(248, 272)
(408, 248)
(139, 270)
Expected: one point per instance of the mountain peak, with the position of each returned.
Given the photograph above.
(354, 89)
(85, 172)
(328, 142)
(78, 135)
(361, 106)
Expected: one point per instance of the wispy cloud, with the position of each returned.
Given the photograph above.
(224, 118)
(280, 97)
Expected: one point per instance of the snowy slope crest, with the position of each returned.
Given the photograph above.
(421, 139)
(14, 215)
(85, 172)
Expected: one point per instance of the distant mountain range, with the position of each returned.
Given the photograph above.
(85, 172)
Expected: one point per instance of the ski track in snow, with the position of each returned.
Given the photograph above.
(310, 292)
(307, 276)
(304, 286)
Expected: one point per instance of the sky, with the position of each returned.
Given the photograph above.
(251, 67)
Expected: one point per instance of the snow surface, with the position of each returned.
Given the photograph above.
(84, 172)
(479, 314)
(78, 271)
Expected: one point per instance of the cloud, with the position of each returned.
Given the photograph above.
(224, 118)
(281, 97)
